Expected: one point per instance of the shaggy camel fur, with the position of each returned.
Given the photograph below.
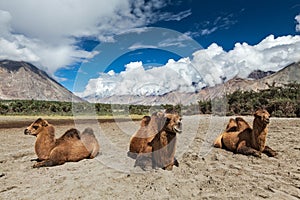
(70, 147)
(239, 137)
(154, 143)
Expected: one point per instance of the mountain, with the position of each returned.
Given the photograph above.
(258, 74)
(22, 80)
(290, 73)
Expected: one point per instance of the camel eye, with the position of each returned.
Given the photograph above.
(35, 127)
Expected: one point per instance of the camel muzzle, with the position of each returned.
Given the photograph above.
(27, 132)
(267, 121)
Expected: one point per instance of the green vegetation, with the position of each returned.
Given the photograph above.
(33, 107)
(280, 101)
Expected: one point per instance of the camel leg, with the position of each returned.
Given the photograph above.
(144, 160)
(47, 163)
(176, 163)
(168, 167)
(171, 164)
(132, 155)
(36, 159)
(56, 157)
(243, 149)
(269, 152)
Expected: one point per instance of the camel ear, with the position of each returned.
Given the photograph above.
(257, 113)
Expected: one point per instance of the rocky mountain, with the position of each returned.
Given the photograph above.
(258, 74)
(290, 73)
(22, 80)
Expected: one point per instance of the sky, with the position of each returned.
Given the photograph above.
(149, 47)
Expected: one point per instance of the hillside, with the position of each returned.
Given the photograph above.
(290, 73)
(21, 80)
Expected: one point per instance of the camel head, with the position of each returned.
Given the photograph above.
(173, 123)
(262, 116)
(36, 127)
(166, 121)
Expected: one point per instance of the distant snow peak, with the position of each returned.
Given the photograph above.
(206, 68)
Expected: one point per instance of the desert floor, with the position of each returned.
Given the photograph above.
(204, 172)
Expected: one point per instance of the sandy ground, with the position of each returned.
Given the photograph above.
(204, 172)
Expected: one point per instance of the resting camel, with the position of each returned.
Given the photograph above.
(148, 129)
(239, 137)
(70, 147)
(154, 143)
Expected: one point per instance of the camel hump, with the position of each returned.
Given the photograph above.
(72, 133)
(145, 121)
(88, 131)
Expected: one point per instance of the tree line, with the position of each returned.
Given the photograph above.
(280, 101)
(283, 101)
(36, 107)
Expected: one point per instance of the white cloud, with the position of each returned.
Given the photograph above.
(45, 32)
(220, 23)
(138, 81)
(207, 67)
(176, 17)
(297, 18)
(208, 31)
(141, 46)
(170, 40)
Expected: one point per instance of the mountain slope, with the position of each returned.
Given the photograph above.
(291, 73)
(21, 80)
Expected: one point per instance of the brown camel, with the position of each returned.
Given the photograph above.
(70, 147)
(148, 129)
(154, 143)
(164, 143)
(239, 137)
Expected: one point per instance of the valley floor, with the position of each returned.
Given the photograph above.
(204, 172)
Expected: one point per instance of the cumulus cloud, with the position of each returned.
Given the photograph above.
(207, 67)
(297, 18)
(135, 80)
(46, 32)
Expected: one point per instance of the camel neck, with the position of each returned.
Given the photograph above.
(45, 141)
(259, 135)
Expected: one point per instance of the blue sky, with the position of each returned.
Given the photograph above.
(235, 21)
(226, 23)
(86, 38)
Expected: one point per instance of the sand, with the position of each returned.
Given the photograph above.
(204, 172)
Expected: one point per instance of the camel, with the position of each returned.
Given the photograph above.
(154, 143)
(72, 146)
(164, 143)
(148, 129)
(239, 137)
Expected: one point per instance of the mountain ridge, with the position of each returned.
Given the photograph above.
(290, 73)
(23, 81)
